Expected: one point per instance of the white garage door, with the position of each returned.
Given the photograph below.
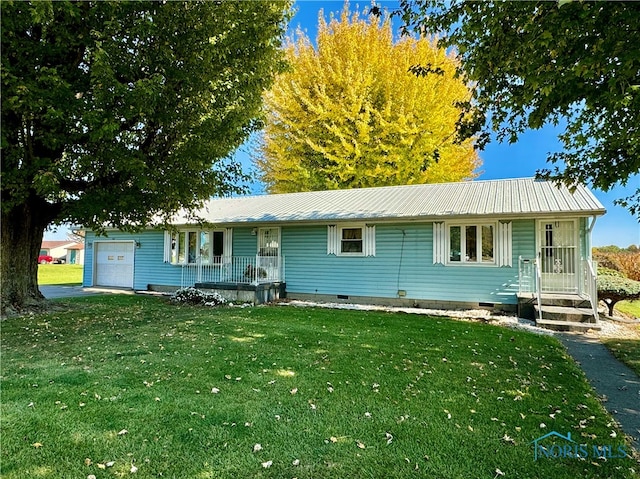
(114, 264)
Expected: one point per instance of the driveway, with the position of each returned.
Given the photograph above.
(53, 292)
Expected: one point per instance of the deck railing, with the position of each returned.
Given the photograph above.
(530, 281)
(589, 286)
(234, 269)
(526, 275)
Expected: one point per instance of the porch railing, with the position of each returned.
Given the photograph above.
(234, 269)
(530, 279)
(589, 286)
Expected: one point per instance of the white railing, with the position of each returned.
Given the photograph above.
(234, 269)
(530, 280)
(526, 275)
(589, 286)
(539, 289)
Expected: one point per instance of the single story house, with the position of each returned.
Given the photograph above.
(468, 244)
(70, 252)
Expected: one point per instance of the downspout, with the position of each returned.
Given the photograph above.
(589, 231)
(592, 269)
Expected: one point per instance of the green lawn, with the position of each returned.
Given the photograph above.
(109, 385)
(626, 350)
(63, 274)
(631, 308)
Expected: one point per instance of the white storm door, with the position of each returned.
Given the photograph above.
(268, 258)
(558, 255)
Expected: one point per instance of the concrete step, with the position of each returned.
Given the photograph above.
(566, 313)
(568, 300)
(560, 325)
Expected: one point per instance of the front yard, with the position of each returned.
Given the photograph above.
(118, 386)
(60, 274)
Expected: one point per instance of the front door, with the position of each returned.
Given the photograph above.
(558, 256)
(268, 254)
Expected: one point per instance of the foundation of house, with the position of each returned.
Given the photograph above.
(246, 293)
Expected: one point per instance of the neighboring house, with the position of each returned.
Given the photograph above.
(452, 245)
(64, 251)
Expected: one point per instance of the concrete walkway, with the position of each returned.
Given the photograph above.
(53, 292)
(618, 385)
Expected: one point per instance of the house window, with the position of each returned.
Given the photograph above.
(189, 247)
(472, 244)
(351, 241)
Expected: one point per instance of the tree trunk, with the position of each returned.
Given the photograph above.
(22, 231)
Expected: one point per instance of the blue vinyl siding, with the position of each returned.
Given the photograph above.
(403, 261)
(149, 265)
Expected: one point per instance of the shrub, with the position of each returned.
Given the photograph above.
(612, 289)
(197, 297)
(609, 272)
(626, 262)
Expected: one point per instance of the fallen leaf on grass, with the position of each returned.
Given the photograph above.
(508, 439)
(37, 444)
(360, 445)
(133, 469)
(333, 439)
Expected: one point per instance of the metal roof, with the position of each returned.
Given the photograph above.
(523, 197)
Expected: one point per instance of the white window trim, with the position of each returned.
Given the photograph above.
(334, 239)
(168, 237)
(478, 225)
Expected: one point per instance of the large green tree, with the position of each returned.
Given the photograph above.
(121, 112)
(349, 113)
(547, 62)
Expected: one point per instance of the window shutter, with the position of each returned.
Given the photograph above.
(369, 245)
(333, 242)
(227, 248)
(167, 247)
(439, 243)
(505, 250)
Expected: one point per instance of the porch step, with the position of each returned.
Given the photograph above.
(565, 318)
(561, 325)
(566, 313)
(565, 300)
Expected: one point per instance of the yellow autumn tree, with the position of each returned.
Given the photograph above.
(349, 113)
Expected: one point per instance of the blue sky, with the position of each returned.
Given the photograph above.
(500, 160)
(503, 160)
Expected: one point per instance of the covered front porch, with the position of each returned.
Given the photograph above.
(244, 279)
(234, 269)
